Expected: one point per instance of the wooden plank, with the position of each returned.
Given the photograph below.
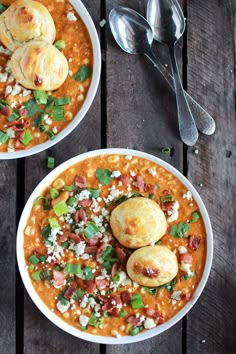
(8, 180)
(141, 114)
(211, 42)
(40, 335)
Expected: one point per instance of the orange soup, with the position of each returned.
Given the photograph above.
(24, 120)
(77, 266)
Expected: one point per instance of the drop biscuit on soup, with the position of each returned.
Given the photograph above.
(39, 66)
(26, 21)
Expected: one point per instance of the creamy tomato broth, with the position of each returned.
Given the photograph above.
(24, 122)
(77, 266)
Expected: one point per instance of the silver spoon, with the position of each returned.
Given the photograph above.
(155, 17)
(134, 35)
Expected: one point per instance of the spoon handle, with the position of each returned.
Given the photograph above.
(204, 120)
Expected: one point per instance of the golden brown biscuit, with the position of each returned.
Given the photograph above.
(39, 66)
(25, 21)
(137, 222)
(152, 265)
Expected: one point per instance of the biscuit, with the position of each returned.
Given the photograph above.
(137, 222)
(39, 66)
(26, 21)
(152, 265)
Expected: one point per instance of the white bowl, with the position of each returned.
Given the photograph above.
(52, 316)
(86, 18)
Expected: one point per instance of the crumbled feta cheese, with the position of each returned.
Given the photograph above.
(54, 130)
(25, 92)
(176, 295)
(132, 173)
(85, 256)
(8, 89)
(48, 121)
(63, 308)
(103, 292)
(149, 323)
(152, 171)
(182, 249)
(5, 51)
(115, 174)
(91, 302)
(128, 157)
(71, 16)
(10, 78)
(185, 267)
(84, 194)
(79, 248)
(174, 212)
(142, 318)
(16, 90)
(3, 77)
(84, 301)
(188, 195)
(84, 320)
(10, 133)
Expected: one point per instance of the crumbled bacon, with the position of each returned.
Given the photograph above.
(185, 296)
(134, 320)
(101, 283)
(85, 202)
(80, 181)
(194, 242)
(100, 251)
(186, 258)
(161, 320)
(37, 252)
(27, 123)
(111, 304)
(126, 296)
(153, 313)
(94, 240)
(115, 267)
(167, 191)
(125, 179)
(72, 236)
(139, 183)
(22, 111)
(63, 238)
(120, 253)
(80, 215)
(70, 292)
(149, 188)
(90, 286)
(6, 111)
(58, 277)
(167, 206)
(90, 249)
(18, 144)
(115, 312)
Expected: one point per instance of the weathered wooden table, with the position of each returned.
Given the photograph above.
(134, 108)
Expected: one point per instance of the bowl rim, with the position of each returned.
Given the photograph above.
(52, 316)
(86, 18)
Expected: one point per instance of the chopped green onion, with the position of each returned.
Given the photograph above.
(103, 175)
(30, 267)
(36, 275)
(46, 205)
(42, 258)
(116, 277)
(14, 116)
(62, 101)
(70, 188)
(83, 328)
(49, 104)
(150, 291)
(51, 135)
(83, 73)
(27, 137)
(88, 273)
(53, 223)
(45, 274)
(65, 244)
(2, 8)
(59, 44)
(71, 201)
(187, 276)
(46, 231)
(71, 268)
(151, 196)
(90, 230)
(167, 198)
(94, 193)
(37, 121)
(170, 285)
(3, 137)
(122, 313)
(195, 216)
(33, 259)
(51, 162)
(54, 193)
(79, 293)
(166, 150)
(58, 268)
(135, 330)
(60, 208)
(58, 113)
(92, 320)
(137, 302)
(41, 97)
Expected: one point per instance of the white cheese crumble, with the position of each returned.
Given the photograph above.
(152, 171)
(115, 174)
(3, 77)
(54, 130)
(84, 320)
(132, 173)
(185, 267)
(84, 301)
(79, 248)
(8, 89)
(174, 212)
(63, 308)
(175, 296)
(182, 249)
(16, 90)
(25, 92)
(149, 323)
(71, 16)
(188, 195)
(10, 133)
(10, 78)
(56, 286)
(128, 157)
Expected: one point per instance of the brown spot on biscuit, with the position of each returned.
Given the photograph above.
(147, 271)
(25, 16)
(38, 80)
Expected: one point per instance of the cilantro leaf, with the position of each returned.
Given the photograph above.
(103, 175)
(32, 107)
(179, 231)
(83, 73)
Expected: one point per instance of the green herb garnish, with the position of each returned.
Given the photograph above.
(54, 193)
(40, 96)
(104, 176)
(88, 273)
(94, 193)
(195, 216)
(51, 162)
(2, 8)
(167, 198)
(60, 208)
(187, 276)
(33, 259)
(150, 291)
(83, 73)
(53, 223)
(136, 301)
(169, 286)
(62, 101)
(3, 137)
(90, 230)
(71, 268)
(59, 44)
(78, 295)
(32, 108)
(179, 230)
(14, 116)
(58, 113)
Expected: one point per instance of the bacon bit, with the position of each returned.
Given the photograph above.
(150, 272)
(90, 249)
(194, 242)
(115, 266)
(100, 251)
(19, 145)
(139, 183)
(74, 237)
(81, 283)
(126, 296)
(161, 320)
(94, 240)
(80, 215)
(125, 179)
(15, 123)
(90, 286)
(6, 111)
(102, 298)
(167, 191)
(120, 253)
(80, 181)
(165, 207)
(111, 304)
(27, 123)
(186, 258)
(149, 188)
(38, 81)
(153, 313)
(23, 111)
(134, 320)
(85, 202)
(101, 283)
(58, 277)
(63, 238)
(37, 252)
(115, 312)
(70, 292)
(185, 296)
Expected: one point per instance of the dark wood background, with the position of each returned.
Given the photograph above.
(134, 108)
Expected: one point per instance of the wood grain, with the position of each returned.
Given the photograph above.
(211, 45)
(7, 255)
(141, 114)
(40, 335)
